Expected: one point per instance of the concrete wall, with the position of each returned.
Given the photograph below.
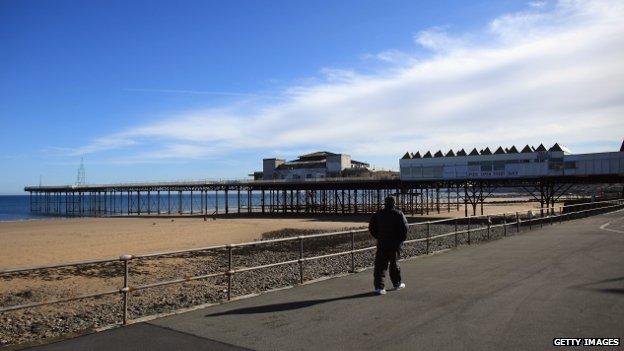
(268, 167)
(336, 163)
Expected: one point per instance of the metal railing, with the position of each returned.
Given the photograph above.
(484, 223)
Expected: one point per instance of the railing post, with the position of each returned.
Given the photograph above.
(229, 273)
(489, 225)
(428, 235)
(456, 241)
(548, 215)
(125, 291)
(352, 252)
(504, 224)
(301, 259)
(468, 232)
(566, 215)
(517, 222)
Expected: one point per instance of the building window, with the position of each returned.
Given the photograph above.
(486, 166)
(555, 163)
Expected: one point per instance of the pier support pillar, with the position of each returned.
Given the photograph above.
(227, 207)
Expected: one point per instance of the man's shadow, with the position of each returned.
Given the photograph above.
(607, 290)
(279, 307)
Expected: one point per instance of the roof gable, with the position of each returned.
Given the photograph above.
(555, 147)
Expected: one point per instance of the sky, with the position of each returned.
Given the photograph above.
(177, 90)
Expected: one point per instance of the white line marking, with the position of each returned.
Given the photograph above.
(604, 226)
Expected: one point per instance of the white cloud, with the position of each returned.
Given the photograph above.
(393, 57)
(192, 92)
(111, 142)
(546, 74)
(437, 39)
(537, 4)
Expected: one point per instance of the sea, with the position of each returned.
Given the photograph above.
(17, 207)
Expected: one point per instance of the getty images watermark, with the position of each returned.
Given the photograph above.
(586, 342)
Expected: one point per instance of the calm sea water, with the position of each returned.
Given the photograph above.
(17, 207)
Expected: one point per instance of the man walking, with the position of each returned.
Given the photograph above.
(389, 227)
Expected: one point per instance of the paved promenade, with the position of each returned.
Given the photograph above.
(565, 280)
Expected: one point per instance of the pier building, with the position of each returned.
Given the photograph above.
(321, 164)
(509, 162)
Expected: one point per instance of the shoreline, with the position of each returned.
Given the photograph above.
(31, 219)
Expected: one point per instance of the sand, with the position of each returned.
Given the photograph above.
(43, 242)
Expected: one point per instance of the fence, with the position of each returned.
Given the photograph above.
(425, 237)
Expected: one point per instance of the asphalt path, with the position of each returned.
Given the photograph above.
(517, 293)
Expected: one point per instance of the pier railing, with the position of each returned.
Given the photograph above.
(215, 181)
(461, 231)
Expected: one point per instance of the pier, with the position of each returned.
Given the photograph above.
(305, 196)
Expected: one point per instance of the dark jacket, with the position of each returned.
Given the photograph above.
(389, 227)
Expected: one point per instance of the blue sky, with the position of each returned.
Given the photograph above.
(156, 90)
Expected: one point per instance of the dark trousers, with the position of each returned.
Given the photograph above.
(383, 257)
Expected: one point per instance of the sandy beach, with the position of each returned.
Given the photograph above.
(44, 242)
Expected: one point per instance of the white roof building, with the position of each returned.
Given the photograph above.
(509, 163)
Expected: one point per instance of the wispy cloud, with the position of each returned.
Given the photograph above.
(438, 40)
(193, 92)
(110, 142)
(537, 4)
(545, 74)
(392, 56)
